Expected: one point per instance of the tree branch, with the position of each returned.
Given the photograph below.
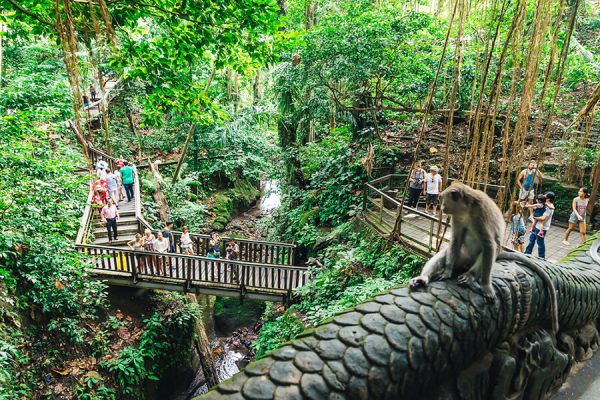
(31, 14)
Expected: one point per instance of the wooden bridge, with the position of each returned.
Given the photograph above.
(264, 271)
(420, 231)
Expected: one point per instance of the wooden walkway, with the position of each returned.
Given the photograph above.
(265, 270)
(419, 230)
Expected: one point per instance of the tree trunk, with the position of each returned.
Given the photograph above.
(256, 88)
(183, 152)
(595, 182)
(586, 54)
(236, 88)
(134, 131)
(203, 347)
(158, 195)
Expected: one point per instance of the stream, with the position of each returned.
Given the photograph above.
(226, 345)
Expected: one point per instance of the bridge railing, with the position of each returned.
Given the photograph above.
(187, 270)
(382, 198)
(255, 251)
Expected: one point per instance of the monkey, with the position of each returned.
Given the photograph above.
(476, 243)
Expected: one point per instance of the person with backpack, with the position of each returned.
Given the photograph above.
(415, 186)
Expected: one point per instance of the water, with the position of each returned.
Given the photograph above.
(271, 196)
(226, 363)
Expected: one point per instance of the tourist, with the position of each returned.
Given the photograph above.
(186, 244)
(579, 206)
(86, 100)
(100, 189)
(168, 234)
(415, 187)
(110, 214)
(234, 250)
(432, 189)
(101, 164)
(121, 189)
(113, 186)
(214, 246)
(526, 181)
(127, 176)
(149, 246)
(538, 211)
(137, 244)
(161, 246)
(517, 226)
(546, 220)
(93, 92)
(120, 162)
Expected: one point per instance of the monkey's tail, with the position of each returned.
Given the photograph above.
(530, 262)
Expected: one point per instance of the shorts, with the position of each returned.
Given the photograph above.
(431, 198)
(185, 247)
(518, 238)
(574, 220)
(526, 194)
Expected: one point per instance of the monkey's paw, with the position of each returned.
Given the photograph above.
(419, 281)
(465, 279)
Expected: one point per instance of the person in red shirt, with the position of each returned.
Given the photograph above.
(100, 188)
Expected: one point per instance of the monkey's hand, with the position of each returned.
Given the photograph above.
(420, 280)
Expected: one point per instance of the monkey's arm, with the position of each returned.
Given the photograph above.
(433, 267)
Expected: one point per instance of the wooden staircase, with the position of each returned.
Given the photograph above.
(127, 226)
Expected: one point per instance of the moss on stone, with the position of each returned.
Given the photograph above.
(229, 201)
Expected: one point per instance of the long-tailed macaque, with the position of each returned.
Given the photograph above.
(476, 243)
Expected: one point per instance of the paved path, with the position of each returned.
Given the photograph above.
(583, 383)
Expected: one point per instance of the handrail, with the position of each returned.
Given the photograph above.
(190, 272)
(86, 217)
(193, 257)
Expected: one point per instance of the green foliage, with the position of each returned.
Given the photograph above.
(275, 333)
(163, 343)
(354, 271)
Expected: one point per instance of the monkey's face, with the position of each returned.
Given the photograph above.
(455, 200)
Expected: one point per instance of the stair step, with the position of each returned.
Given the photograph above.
(130, 220)
(121, 242)
(121, 230)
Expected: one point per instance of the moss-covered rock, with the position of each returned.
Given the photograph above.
(230, 201)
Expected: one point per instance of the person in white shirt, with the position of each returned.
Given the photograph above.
(186, 243)
(113, 186)
(432, 189)
(161, 245)
(546, 220)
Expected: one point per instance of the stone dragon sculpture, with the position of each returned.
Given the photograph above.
(441, 342)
